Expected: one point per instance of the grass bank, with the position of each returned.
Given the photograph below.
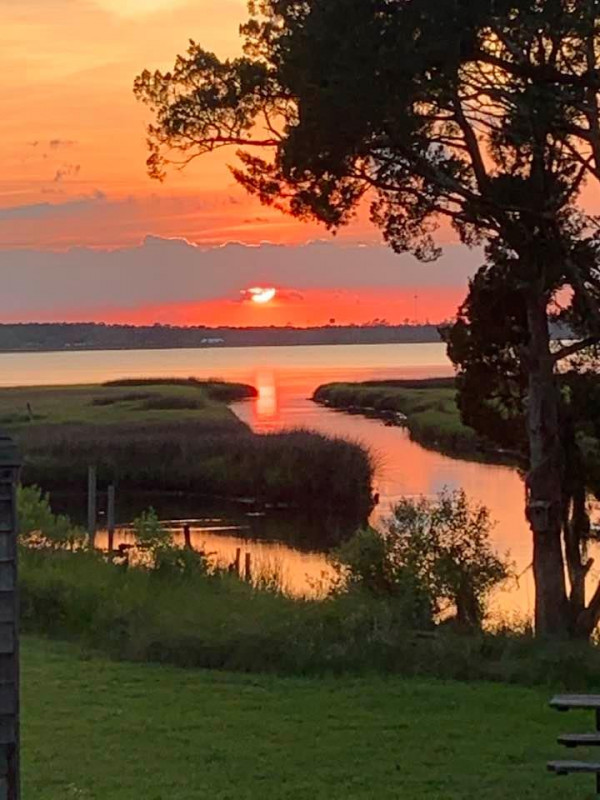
(181, 436)
(221, 622)
(427, 408)
(96, 729)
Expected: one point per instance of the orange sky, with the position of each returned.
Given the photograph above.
(313, 308)
(72, 149)
(71, 129)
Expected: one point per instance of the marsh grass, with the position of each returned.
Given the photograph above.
(179, 435)
(163, 403)
(114, 399)
(26, 408)
(299, 470)
(221, 622)
(222, 391)
(432, 415)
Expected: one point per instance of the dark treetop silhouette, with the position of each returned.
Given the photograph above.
(483, 113)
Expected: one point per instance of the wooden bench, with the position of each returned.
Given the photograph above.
(568, 702)
(569, 767)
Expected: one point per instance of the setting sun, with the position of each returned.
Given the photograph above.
(258, 294)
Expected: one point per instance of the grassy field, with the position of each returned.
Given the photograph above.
(95, 729)
(177, 435)
(432, 416)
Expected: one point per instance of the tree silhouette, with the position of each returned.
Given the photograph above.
(480, 113)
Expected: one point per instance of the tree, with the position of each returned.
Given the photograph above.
(485, 343)
(482, 113)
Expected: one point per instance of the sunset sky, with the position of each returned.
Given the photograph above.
(75, 199)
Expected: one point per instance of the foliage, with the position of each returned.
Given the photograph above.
(460, 127)
(191, 443)
(165, 558)
(365, 562)
(198, 401)
(320, 477)
(438, 551)
(493, 127)
(486, 344)
(39, 526)
(220, 391)
(150, 532)
(218, 621)
(58, 336)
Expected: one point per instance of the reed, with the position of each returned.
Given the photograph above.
(429, 408)
(309, 473)
(218, 621)
(222, 391)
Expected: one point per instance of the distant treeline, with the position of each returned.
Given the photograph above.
(99, 336)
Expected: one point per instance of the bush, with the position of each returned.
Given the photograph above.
(163, 557)
(218, 621)
(364, 563)
(39, 526)
(436, 551)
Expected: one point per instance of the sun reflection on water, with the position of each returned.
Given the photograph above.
(266, 407)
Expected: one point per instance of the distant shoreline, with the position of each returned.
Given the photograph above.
(23, 351)
(86, 337)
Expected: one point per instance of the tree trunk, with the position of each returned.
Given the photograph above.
(576, 527)
(544, 501)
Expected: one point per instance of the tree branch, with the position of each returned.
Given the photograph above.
(576, 347)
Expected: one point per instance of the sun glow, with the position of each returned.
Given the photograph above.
(259, 294)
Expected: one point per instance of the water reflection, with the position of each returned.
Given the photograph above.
(286, 378)
(296, 572)
(266, 407)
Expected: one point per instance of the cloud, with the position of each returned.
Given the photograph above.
(66, 171)
(290, 295)
(38, 283)
(35, 211)
(54, 144)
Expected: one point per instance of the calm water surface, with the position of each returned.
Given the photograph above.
(286, 378)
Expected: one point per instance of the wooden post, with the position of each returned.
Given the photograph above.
(9, 624)
(91, 507)
(237, 562)
(187, 537)
(110, 518)
(248, 567)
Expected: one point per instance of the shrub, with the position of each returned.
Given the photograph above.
(436, 551)
(218, 621)
(165, 558)
(363, 563)
(39, 526)
(149, 531)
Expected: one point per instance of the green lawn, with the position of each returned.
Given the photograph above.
(93, 728)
